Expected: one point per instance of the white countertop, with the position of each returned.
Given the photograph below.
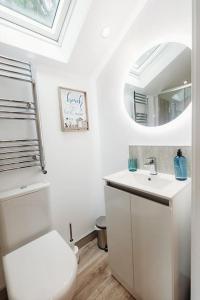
(160, 185)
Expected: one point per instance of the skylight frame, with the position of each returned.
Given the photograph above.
(145, 57)
(136, 72)
(25, 24)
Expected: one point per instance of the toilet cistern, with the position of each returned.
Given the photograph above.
(151, 161)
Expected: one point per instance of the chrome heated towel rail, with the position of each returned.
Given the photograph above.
(20, 153)
(140, 100)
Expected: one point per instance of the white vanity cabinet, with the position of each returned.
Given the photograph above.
(152, 249)
(119, 235)
(149, 243)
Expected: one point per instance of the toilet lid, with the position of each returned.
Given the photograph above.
(41, 270)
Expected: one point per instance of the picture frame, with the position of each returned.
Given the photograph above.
(73, 109)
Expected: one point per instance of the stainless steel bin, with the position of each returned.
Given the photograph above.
(101, 233)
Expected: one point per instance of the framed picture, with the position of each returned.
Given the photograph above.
(73, 109)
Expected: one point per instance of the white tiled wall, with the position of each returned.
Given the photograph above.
(164, 156)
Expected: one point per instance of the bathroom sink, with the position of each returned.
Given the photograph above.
(161, 185)
(153, 181)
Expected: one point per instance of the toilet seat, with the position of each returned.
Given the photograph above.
(44, 269)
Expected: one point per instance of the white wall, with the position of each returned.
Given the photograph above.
(157, 23)
(73, 159)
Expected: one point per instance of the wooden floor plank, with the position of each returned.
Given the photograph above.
(94, 280)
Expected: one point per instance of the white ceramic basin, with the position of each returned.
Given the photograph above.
(162, 185)
(153, 181)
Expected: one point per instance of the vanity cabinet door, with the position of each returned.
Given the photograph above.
(118, 218)
(152, 249)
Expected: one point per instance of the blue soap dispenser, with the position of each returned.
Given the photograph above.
(180, 166)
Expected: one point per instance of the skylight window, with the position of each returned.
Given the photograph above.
(42, 11)
(45, 17)
(146, 59)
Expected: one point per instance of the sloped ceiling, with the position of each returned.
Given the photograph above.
(89, 51)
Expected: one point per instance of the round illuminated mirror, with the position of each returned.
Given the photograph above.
(158, 86)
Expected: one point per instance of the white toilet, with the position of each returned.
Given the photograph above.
(38, 263)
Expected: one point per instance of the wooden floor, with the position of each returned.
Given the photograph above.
(94, 280)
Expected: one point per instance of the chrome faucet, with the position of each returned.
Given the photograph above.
(151, 161)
